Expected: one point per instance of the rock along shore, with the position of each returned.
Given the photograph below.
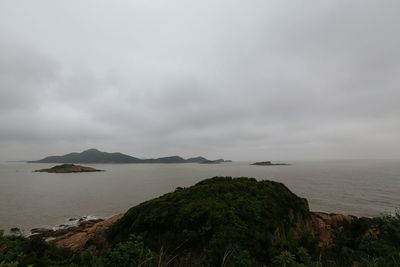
(77, 238)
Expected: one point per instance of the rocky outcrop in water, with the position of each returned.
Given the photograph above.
(69, 168)
(269, 163)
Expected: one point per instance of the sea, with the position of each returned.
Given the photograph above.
(30, 200)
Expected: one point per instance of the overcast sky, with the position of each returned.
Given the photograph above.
(243, 80)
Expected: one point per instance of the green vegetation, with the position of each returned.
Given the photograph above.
(203, 222)
(16, 250)
(221, 222)
(370, 242)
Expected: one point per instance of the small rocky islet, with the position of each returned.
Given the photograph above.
(69, 168)
(269, 163)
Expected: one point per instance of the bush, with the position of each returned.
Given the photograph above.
(130, 253)
(20, 251)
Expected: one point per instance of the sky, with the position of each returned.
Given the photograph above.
(242, 80)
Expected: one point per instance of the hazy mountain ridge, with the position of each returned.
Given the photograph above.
(96, 156)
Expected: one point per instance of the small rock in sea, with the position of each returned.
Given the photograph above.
(269, 163)
(69, 168)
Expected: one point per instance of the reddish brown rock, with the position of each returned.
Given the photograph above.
(77, 239)
(325, 224)
(80, 237)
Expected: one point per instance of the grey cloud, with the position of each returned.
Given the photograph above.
(24, 73)
(243, 80)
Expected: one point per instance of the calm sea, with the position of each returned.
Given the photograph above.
(28, 199)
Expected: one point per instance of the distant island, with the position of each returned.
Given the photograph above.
(217, 161)
(69, 168)
(96, 156)
(269, 163)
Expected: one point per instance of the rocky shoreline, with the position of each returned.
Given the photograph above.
(264, 220)
(79, 237)
(75, 237)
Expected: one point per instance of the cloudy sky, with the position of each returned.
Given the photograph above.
(245, 80)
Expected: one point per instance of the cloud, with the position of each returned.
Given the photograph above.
(243, 80)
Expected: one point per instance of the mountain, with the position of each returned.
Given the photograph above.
(196, 160)
(96, 156)
(90, 156)
(172, 159)
(217, 161)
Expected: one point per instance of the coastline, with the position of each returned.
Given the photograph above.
(77, 237)
(230, 212)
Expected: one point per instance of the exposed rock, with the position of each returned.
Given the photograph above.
(269, 163)
(326, 223)
(77, 240)
(78, 237)
(68, 168)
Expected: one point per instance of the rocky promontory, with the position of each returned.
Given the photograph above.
(242, 221)
(69, 168)
(76, 238)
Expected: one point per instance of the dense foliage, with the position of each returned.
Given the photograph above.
(370, 242)
(16, 250)
(221, 222)
(221, 215)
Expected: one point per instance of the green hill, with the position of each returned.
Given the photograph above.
(203, 222)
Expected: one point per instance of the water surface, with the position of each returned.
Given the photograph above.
(29, 199)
